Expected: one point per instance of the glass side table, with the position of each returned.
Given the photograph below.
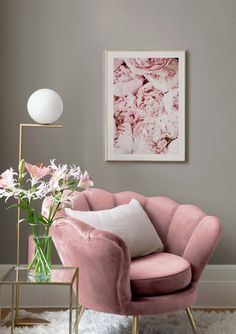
(19, 275)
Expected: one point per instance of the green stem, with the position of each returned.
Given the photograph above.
(42, 258)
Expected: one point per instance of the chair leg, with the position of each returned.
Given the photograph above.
(81, 312)
(135, 325)
(191, 319)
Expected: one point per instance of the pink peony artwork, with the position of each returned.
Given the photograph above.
(146, 95)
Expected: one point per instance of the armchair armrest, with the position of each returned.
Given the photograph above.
(104, 262)
(202, 244)
(193, 235)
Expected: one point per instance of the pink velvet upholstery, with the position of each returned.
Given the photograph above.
(110, 282)
(159, 273)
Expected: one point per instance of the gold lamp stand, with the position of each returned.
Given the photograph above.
(21, 133)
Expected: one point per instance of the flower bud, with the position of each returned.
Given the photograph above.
(21, 166)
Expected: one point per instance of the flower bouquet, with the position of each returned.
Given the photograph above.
(33, 183)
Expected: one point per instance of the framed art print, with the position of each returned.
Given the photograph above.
(145, 97)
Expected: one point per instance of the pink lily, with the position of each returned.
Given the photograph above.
(37, 172)
(85, 181)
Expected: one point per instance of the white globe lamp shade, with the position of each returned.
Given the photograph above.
(45, 106)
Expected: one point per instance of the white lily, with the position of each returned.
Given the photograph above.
(75, 172)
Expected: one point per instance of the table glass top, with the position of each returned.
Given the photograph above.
(20, 274)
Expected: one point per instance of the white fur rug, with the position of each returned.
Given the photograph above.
(100, 323)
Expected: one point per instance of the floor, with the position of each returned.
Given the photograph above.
(40, 310)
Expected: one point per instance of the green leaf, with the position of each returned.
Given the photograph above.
(21, 206)
(43, 220)
(20, 221)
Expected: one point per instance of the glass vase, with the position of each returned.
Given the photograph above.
(40, 267)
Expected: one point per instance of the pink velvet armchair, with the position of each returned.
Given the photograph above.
(161, 282)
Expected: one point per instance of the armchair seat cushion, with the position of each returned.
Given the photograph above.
(158, 274)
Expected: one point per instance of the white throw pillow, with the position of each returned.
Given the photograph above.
(128, 221)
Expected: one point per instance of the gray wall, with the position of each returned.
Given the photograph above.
(59, 44)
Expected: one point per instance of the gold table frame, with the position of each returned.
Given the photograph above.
(15, 284)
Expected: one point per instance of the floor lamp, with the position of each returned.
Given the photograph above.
(44, 106)
(21, 132)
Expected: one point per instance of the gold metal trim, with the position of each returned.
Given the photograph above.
(80, 315)
(75, 275)
(12, 308)
(191, 319)
(135, 325)
(70, 310)
(33, 322)
(17, 294)
(35, 125)
(76, 325)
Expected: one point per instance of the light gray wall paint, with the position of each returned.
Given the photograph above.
(59, 44)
